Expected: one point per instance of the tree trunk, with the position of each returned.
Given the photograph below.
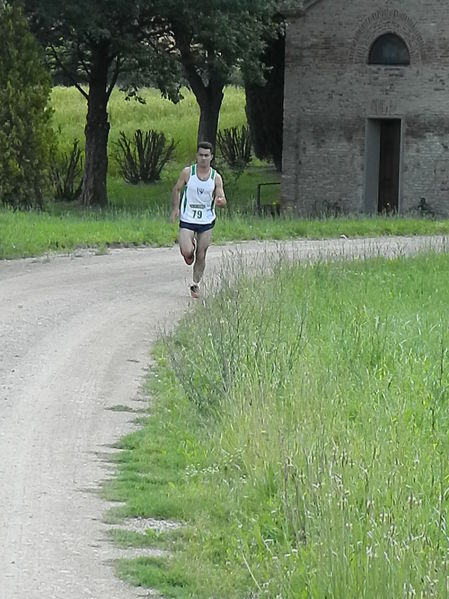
(93, 191)
(210, 96)
(209, 101)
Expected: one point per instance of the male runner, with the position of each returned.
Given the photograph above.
(198, 190)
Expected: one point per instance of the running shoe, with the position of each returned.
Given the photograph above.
(195, 291)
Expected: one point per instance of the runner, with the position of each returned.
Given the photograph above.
(198, 190)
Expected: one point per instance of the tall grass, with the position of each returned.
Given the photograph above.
(179, 121)
(306, 432)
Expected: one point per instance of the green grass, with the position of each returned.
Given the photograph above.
(300, 428)
(31, 234)
(66, 229)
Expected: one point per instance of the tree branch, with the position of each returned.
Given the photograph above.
(67, 71)
(188, 62)
(81, 59)
(115, 74)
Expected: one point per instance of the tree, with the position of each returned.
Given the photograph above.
(211, 41)
(25, 132)
(265, 103)
(92, 43)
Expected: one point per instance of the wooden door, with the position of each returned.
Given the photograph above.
(389, 161)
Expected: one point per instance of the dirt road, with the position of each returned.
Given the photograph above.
(75, 333)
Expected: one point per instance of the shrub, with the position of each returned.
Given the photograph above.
(26, 137)
(66, 174)
(234, 145)
(425, 209)
(142, 159)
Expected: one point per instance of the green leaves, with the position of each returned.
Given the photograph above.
(25, 133)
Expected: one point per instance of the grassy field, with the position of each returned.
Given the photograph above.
(177, 121)
(299, 430)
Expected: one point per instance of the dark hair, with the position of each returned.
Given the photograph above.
(206, 145)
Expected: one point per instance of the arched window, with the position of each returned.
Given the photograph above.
(389, 49)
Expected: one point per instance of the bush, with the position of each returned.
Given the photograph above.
(143, 158)
(26, 137)
(234, 145)
(66, 174)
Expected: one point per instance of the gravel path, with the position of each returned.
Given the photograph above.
(75, 333)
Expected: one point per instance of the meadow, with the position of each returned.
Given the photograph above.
(299, 431)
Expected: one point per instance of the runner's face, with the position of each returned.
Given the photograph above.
(203, 157)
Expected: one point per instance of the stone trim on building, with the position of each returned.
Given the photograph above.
(386, 20)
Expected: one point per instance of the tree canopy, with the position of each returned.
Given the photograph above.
(210, 40)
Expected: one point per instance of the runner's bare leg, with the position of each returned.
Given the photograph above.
(186, 245)
(203, 241)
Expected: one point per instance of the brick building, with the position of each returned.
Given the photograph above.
(366, 108)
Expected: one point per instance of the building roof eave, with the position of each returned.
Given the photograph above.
(290, 11)
(302, 6)
(309, 3)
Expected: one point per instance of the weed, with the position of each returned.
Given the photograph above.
(143, 158)
(234, 145)
(65, 174)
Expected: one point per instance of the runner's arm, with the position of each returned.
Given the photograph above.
(182, 180)
(219, 194)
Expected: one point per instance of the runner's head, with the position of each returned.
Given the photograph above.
(204, 153)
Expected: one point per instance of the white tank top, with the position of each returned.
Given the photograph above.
(197, 204)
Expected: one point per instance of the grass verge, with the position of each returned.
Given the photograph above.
(33, 234)
(299, 429)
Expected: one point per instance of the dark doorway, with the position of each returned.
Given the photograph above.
(389, 160)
